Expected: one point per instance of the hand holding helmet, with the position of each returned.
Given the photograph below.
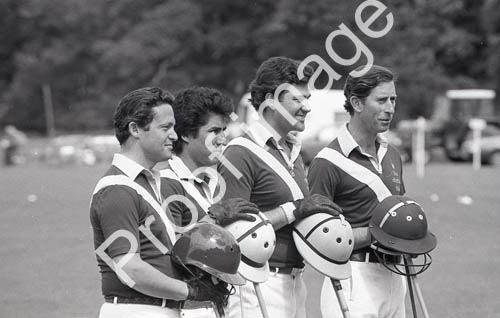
(204, 289)
(208, 289)
(316, 203)
(228, 211)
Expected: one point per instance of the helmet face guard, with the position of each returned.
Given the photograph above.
(402, 264)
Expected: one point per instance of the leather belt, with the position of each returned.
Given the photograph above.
(286, 270)
(165, 303)
(370, 257)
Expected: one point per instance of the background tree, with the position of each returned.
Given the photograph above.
(91, 53)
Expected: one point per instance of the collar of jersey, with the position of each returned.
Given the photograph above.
(258, 132)
(348, 144)
(129, 167)
(181, 170)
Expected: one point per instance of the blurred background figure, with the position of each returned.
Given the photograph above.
(12, 141)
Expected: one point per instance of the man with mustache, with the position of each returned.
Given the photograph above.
(356, 171)
(265, 167)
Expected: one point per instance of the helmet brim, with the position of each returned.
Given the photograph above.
(233, 279)
(414, 247)
(254, 274)
(325, 267)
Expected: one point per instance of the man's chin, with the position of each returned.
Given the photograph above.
(299, 127)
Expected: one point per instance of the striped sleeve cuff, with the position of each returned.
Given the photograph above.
(288, 208)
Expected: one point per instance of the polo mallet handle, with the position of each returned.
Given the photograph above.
(262, 304)
(241, 301)
(217, 315)
(340, 296)
(410, 286)
(418, 291)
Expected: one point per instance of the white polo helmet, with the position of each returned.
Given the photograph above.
(257, 241)
(325, 242)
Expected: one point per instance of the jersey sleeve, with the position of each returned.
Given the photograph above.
(115, 209)
(322, 178)
(170, 188)
(236, 172)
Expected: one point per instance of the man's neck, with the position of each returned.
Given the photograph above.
(188, 161)
(365, 139)
(281, 133)
(137, 155)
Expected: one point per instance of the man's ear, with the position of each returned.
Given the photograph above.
(269, 101)
(356, 103)
(186, 139)
(133, 129)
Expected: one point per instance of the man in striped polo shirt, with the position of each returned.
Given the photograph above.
(189, 182)
(132, 234)
(265, 168)
(357, 170)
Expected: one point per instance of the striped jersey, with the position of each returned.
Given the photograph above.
(186, 194)
(117, 208)
(257, 182)
(354, 180)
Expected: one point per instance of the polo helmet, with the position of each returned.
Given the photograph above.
(212, 249)
(326, 243)
(399, 227)
(257, 241)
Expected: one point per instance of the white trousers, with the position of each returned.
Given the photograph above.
(110, 310)
(372, 292)
(284, 296)
(206, 312)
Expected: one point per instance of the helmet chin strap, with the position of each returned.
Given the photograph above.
(400, 267)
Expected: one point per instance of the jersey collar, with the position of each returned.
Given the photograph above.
(348, 144)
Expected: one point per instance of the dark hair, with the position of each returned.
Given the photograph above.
(192, 107)
(362, 86)
(272, 73)
(137, 106)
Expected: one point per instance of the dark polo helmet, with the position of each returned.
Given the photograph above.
(399, 223)
(212, 249)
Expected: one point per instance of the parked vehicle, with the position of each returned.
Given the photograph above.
(448, 128)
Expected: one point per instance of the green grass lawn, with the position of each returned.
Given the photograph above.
(48, 267)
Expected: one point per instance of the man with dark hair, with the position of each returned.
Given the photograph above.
(189, 184)
(265, 168)
(132, 235)
(357, 170)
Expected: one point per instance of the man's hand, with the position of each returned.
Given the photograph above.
(228, 211)
(315, 204)
(205, 289)
(201, 289)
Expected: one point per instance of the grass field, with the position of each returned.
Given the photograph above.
(48, 268)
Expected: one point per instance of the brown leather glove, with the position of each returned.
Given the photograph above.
(316, 203)
(228, 211)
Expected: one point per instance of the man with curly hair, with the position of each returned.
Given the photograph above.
(189, 183)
